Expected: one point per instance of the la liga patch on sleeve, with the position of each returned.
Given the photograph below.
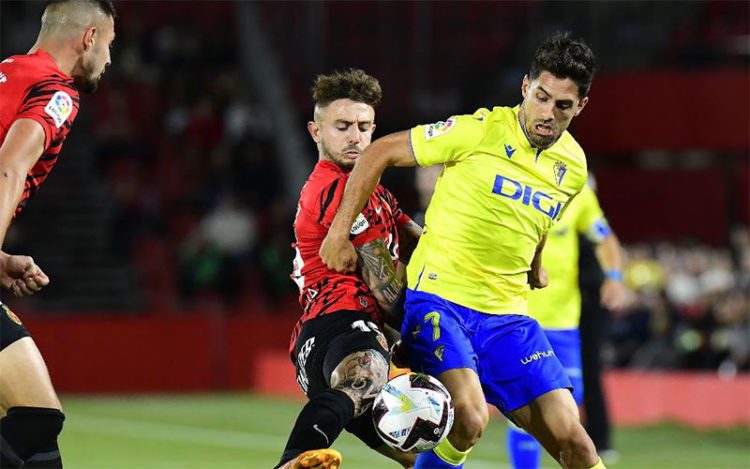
(59, 108)
(438, 128)
(359, 225)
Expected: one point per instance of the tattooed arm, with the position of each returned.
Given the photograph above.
(385, 282)
(408, 236)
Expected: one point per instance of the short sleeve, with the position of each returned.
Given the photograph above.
(323, 209)
(52, 103)
(447, 141)
(591, 221)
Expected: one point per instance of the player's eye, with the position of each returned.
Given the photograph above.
(364, 128)
(542, 98)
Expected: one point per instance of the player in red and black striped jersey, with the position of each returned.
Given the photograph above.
(338, 347)
(39, 97)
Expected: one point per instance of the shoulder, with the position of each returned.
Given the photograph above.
(323, 189)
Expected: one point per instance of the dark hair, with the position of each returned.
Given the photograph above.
(565, 57)
(351, 84)
(106, 6)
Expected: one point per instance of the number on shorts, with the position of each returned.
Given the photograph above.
(369, 327)
(435, 318)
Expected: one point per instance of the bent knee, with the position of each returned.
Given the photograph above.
(361, 375)
(577, 442)
(468, 427)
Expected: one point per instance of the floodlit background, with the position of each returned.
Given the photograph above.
(166, 225)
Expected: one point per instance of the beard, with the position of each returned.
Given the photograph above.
(87, 84)
(338, 157)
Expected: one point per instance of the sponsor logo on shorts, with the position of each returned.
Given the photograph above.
(538, 356)
(304, 352)
(11, 315)
(439, 351)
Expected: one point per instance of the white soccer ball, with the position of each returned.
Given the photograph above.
(413, 412)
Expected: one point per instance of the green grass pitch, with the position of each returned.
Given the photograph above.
(247, 431)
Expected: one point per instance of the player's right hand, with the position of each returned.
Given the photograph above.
(338, 254)
(21, 275)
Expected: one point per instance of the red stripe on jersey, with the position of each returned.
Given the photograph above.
(323, 291)
(31, 82)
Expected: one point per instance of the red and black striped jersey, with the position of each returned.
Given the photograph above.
(33, 87)
(323, 291)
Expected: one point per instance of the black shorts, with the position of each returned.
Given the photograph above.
(321, 345)
(11, 328)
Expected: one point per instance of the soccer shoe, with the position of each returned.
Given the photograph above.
(315, 459)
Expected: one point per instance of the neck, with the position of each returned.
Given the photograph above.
(65, 58)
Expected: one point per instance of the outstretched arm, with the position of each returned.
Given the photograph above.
(392, 150)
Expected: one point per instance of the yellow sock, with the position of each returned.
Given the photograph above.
(599, 465)
(448, 453)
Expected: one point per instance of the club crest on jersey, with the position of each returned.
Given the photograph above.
(438, 128)
(59, 107)
(560, 170)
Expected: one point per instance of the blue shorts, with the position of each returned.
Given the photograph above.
(567, 346)
(510, 353)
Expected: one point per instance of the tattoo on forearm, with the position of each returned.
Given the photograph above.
(378, 272)
(361, 376)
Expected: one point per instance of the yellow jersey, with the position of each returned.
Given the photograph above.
(494, 200)
(559, 305)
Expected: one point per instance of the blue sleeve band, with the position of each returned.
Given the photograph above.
(614, 275)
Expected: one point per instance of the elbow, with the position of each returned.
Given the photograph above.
(11, 175)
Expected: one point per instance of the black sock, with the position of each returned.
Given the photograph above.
(47, 458)
(319, 423)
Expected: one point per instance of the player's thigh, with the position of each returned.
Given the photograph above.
(551, 418)
(356, 362)
(516, 362)
(434, 335)
(24, 379)
(567, 346)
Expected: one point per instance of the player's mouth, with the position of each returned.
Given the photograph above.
(544, 130)
(351, 154)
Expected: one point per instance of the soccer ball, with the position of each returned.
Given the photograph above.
(413, 412)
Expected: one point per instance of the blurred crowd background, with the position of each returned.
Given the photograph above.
(176, 190)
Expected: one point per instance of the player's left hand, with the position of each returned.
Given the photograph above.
(613, 295)
(537, 279)
(21, 275)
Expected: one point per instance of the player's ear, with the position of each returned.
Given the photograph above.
(88, 38)
(314, 130)
(525, 85)
(582, 104)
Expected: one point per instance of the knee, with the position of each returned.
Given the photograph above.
(577, 445)
(361, 376)
(28, 430)
(470, 422)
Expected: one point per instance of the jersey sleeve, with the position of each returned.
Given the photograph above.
(53, 103)
(591, 221)
(400, 217)
(447, 141)
(325, 205)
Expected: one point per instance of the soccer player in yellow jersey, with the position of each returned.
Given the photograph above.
(557, 307)
(508, 175)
